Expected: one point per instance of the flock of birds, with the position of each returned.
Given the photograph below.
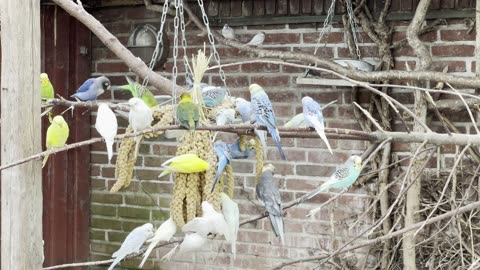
(257, 40)
(258, 111)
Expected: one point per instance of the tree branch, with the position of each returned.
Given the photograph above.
(111, 42)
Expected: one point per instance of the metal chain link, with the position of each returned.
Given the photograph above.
(184, 40)
(216, 56)
(327, 24)
(157, 47)
(176, 22)
(354, 26)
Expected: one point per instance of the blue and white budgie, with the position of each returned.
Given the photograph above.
(297, 121)
(344, 176)
(224, 157)
(232, 217)
(268, 194)
(132, 243)
(263, 111)
(236, 153)
(225, 117)
(212, 95)
(314, 118)
(244, 108)
(92, 88)
(106, 125)
(140, 117)
(163, 233)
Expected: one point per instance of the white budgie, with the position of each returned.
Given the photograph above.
(163, 233)
(232, 217)
(140, 117)
(106, 125)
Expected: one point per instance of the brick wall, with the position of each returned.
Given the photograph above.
(148, 198)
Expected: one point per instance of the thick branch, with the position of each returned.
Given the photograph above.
(413, 31)
(112, 43)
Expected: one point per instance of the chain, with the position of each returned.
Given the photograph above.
(157, 47)
(216, 56)
(184, 40)
(353, 25)
(327, 24)
(176, 22)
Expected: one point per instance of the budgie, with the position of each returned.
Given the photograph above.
(192, 242)
(314, 118)
(212, 95)
(228, 32)
(163, 233)
(224, 157)
(343, 177)
(47, 87)
(210, 222)
(225, 117)
(186, 163)
(236, 153)
(106, 125)
(140, 117)
(264, 115)
(297, 121)
(134, 88)
(244, 108)
(257, 40)
(57, 135)
(268, 194)
(92, 88)
(187, 112)
(132, 243)
(232, 217)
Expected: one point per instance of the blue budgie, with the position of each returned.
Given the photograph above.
(212, 96)
(92, 88)
(314, 118)
(263, 111)
(343, 177)
(224, 157)
(237, 153)
(297, 121)
(244, 108)
(268, 194)
(132, 243)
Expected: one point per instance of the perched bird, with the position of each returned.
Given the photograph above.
(132, 243)
(47, 87)
(228, 32)
(236, 153)
(57, 135)
(262, 109)
(314, 118)
(257, 40)
(92, 88)
(210, 222)
(343, 177)
(135, 89)
(192, 242)
(232, 217)
(224, 157)
(106, 125)
(140, 117)
(186, 163)
(244, 108)
(225, 117)
(187, 112)
(163, 233)
(212, 95)
(297, 121)
(268, 194)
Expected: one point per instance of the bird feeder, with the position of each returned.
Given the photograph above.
(142, 43)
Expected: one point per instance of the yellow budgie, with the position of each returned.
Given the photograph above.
(57, 135)
(187, 163)
(47, 87)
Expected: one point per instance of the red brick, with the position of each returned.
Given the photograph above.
(365, 51)
(140, 13)
(282, 38)
(261, 67)
(322, 52)
(453, 50)
(473, 67)
(453, 66)
(302, 185)
(269, 81)
(111, 67)
(404, 51)
(118, 27)
(333, 37)
(318, 157)
(402, 65)
(322, 97)
(232, 81)
(456, 35)
(109, 14)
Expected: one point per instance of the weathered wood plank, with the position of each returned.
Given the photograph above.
(247, 8)
(213, 8)
(259, 7)
(447, 4)
(318, 7)
(225, 8)
(282, 7)
(306, 6)
(270, 7)
(21, 186)
(236, 6)
(294, 7)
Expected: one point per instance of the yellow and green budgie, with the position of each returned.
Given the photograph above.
(57, 135)
(186, 163)
(134, 88)
(47, 87)
(187, 112)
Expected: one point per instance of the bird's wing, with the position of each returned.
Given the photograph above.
(86, 85)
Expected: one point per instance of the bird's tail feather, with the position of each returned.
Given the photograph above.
(115, 262)
(221, 166)
(276, 138)
(277, 226)
(109, 149)
(262, 136)
(45, 160)
(165, 172)
(234, 248)
(147, 253)
(320, 130)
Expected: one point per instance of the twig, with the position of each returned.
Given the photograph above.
(318, 209)
(85, 104)
(467, 107)
(377, 240)
(369, 116)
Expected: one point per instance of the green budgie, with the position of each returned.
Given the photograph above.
(47, 87)
(343, 177)
(134, 88)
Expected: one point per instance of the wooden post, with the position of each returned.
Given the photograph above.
(477, 42)
(21, 187)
